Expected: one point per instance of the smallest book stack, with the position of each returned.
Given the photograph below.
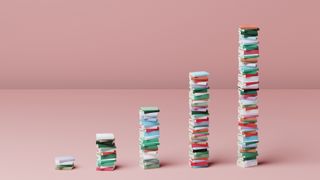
(149, 137)
(64, 162)
(106, 152)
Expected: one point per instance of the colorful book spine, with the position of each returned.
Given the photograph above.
(248, 85)
(198, 119)
(106, 152)
(149, 137)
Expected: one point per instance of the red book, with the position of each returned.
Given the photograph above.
(248, 125)
(248, 119)
(248, 95)
(250, 116)
(202, 120)
(200, 145)
(199, 79)
(199, 164)
(255, 51)
(251, 83)
(107, 153)
(202, 130)
(251, 108)
(251, 75)
(199, 135)
(152, 129)
(247, 134)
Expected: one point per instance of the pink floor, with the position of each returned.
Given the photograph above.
(37, 125)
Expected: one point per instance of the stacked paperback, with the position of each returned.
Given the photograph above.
(198, 119)
(106, 152)
(64, 162)
(248, 85)
(149, 137)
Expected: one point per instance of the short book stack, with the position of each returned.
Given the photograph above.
(106, 152)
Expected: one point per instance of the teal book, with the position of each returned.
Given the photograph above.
(150, 109)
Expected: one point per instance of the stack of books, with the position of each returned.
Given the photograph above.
(248, 85)
(149, 137)
(64, 162)
(198, 119)
(106, 152)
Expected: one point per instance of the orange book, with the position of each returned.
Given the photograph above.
(200, 79)
(249, 27)
(249, 60)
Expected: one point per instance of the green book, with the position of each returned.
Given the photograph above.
(106, 163)
(151, 166)
(200, 112)
(201, 97)
(248, 148)
(250, 56)
(150, 109)
(110, 143)
(200, 104)
(155, 140)
(249, 143)
(199, 90)
(149, 147)
(249, 46)
(248, 154)
(109, 156)
(242, 92)
(249, 33)
(146, 144)
(105, 146)
(200, 154)
(249, 158)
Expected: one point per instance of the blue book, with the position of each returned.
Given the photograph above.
(199, 73)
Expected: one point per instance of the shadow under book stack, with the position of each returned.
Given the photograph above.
(248, 85)
(198, 119)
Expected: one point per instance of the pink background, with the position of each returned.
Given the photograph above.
(153, 44)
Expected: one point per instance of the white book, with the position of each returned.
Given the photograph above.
(64, 159)
(104, 136)
(246, 164)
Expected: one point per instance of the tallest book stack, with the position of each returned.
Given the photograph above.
(248, 84)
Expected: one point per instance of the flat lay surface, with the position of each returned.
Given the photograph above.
(38, 125)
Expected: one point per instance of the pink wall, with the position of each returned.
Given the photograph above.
(153, 44)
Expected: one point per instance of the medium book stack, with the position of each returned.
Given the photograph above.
(149, 137)
(198, 119)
